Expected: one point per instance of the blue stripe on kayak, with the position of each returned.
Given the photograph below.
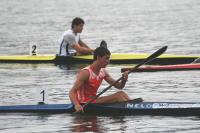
(48, 107)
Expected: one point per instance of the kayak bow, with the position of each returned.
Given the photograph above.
(178, 67)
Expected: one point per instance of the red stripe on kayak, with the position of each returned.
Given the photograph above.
(166, 67)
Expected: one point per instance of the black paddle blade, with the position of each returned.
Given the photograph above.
(151, 57)
(196, 60)
(103, 44)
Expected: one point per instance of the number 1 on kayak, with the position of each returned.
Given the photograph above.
(42, 96)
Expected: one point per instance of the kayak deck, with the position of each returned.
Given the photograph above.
(123, 108)
(116, 58)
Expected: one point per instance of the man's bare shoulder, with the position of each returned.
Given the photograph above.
(83, 74)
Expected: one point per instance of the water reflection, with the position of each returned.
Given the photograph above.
(24, 66)
(83, 123)
(72, 66)
(93, 123)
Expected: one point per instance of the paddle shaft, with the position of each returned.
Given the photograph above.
(150, 58)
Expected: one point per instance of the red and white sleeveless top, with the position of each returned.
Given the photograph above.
(90, 87)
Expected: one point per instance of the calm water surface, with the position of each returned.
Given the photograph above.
(127, 26)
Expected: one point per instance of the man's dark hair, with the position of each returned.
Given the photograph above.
(100, 51)
(77, 21)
